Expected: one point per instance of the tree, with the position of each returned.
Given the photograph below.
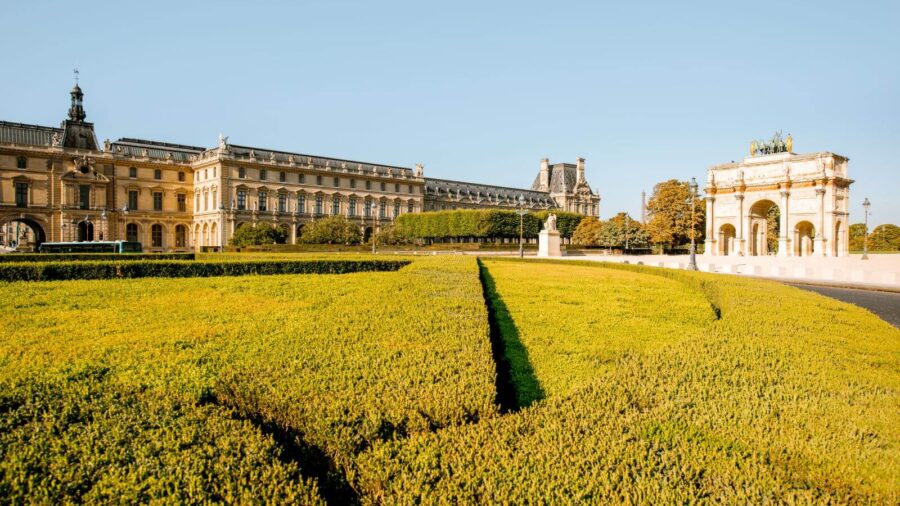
(857, 236)
(331, 230)
(586, 232)
(773, 228)
(261, 233)
(669, 209)
(620, 230)
(885, 238)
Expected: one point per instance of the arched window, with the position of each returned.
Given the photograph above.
(180, 236)
(131, 232)
(156, 236)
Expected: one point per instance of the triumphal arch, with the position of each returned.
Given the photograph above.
(777, 202)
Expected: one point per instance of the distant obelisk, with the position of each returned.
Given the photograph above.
(643, 207)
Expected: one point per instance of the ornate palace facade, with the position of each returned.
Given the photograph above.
(65, 186)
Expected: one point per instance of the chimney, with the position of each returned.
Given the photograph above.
(580, 168)
(545, 174)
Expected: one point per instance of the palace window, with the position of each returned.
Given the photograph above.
(301, 203)
(367, 207)
(21, 162)
(335, 205)
(157, 174)
(319, 205)
(205, 174)
(302, 178)
(396, 209)
(368, 185)
(180, 236)
(206, 201)
(397, 187)
(181, 176)
(196, 202)
(262, 174)
(410, 206)
(351, 208)
(263, 201)
(410, 189)
(182, 202)
(319, 180)
(21, 194)
(382, 208)
(352, 183)
(157, 201)
(84, 196)
(132, 172)
(241, 200)
(131, 232)
(215, 198)
(282, 202)
(214, 171)
(382, 186)
(337, 182)
(282, 176)
(156, 236)
(242, 173)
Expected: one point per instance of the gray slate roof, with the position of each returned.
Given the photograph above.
(263, 155)
(563, 178)
(34, 135)
(154, 149)
(446, 187)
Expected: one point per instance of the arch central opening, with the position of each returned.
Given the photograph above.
(765, 228)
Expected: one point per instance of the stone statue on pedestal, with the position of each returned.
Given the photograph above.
(550, 224)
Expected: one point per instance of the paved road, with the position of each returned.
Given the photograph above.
(885, 304)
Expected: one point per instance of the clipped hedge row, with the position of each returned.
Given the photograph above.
(72, 257)
(481, 223)
(57, 271)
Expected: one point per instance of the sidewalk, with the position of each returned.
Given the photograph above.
(879, 272)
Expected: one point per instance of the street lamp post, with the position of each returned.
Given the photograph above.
(866, 205)
(374, 227)
(692, 265)
(521, 211)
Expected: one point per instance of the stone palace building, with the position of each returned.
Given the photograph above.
(810, 193)
(60, 184)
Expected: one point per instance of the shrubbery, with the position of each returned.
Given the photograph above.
(53, 271)
(261, 233)
(72, 257)
(331, 230)
(481, 224)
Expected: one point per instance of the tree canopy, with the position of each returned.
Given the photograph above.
(669, 210)
(331, 230)
(261, 233)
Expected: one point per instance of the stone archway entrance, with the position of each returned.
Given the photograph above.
(85, 231)
(804, 235)
(727, 234)
(764, 228)
(22, 233)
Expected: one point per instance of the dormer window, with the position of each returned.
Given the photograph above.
(21, 162)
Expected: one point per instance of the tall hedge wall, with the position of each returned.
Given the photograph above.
(481, 224)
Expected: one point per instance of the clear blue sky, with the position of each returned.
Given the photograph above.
(479, 91)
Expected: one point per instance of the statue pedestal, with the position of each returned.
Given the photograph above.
(549, 244)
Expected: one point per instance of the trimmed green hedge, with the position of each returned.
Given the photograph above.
(71, 257)
(54, 271)
(481, 223)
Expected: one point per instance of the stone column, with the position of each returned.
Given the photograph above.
(709, 247)
(740, 231)
(819, 246)
(783, 241)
